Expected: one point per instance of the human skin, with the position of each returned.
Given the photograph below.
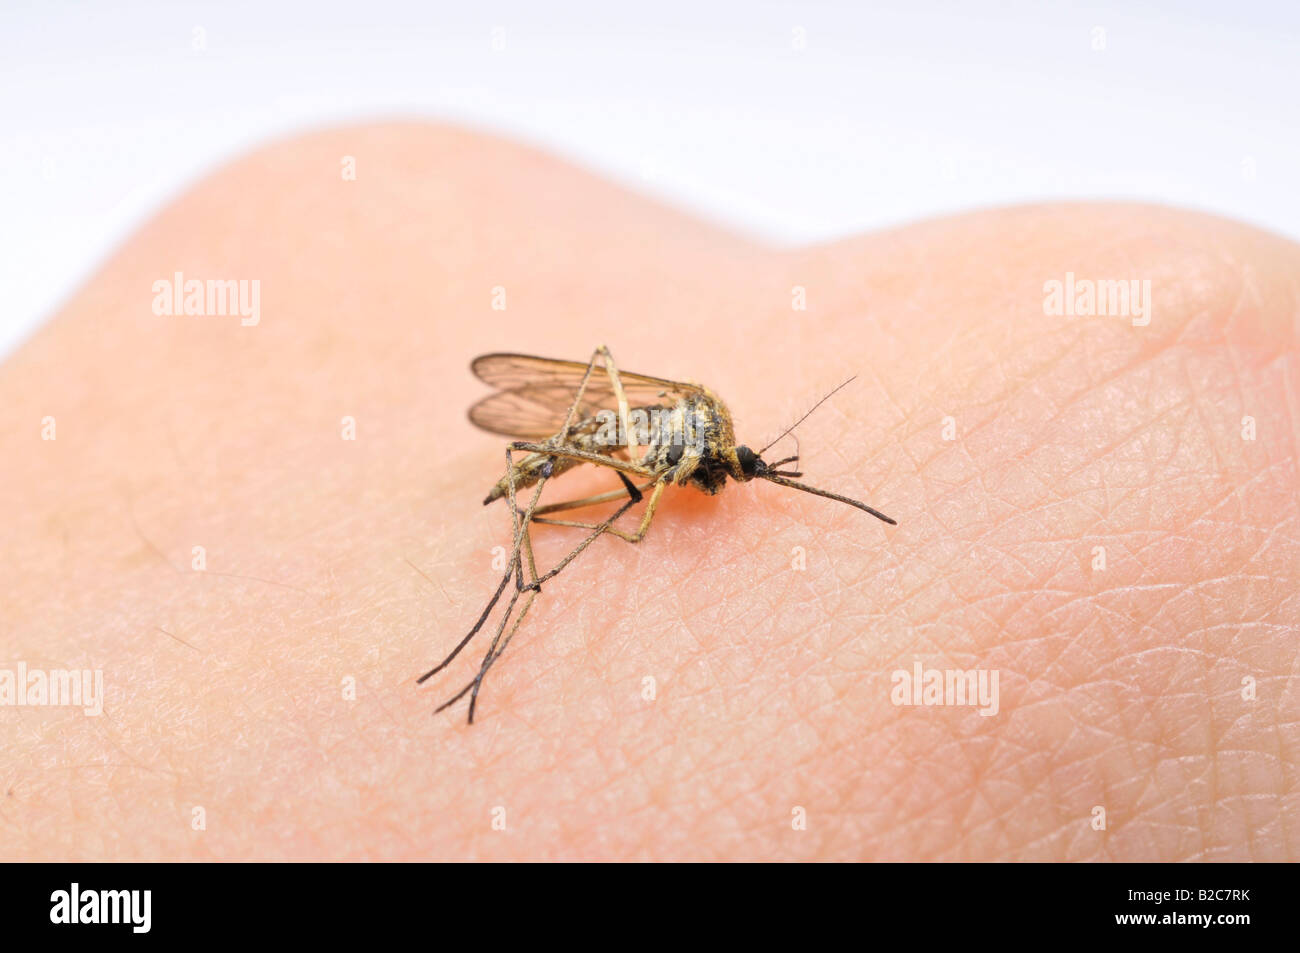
(1008, 443)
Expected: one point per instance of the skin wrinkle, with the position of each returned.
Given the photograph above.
(1118, 688)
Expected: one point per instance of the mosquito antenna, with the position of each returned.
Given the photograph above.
(807, 415)
(785, 481)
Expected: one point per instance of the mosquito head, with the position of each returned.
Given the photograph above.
(749, 463)
(746, 465)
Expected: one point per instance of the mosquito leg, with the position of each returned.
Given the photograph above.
(629, 438)
(495, 653)
(472, 632)
(513, 568)
(586, 456)
(532, 561)
(630, 537)
(596, 531)
(528, 602)
(776, 467)
(563, 435)
(649, 513)
(500, 628)
(585, 501)
(560, 439)
(518, 528)
(524, 543)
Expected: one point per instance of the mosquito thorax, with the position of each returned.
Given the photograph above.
(716, 463)
(694, 465)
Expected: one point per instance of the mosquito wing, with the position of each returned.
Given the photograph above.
(534, 394)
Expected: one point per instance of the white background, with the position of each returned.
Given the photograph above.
(793, 122)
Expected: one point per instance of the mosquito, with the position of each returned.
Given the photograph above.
(563, 414)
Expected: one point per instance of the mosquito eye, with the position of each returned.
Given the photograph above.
(748, 460)
(675, 454)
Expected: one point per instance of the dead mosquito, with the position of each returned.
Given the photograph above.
(561, 415)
